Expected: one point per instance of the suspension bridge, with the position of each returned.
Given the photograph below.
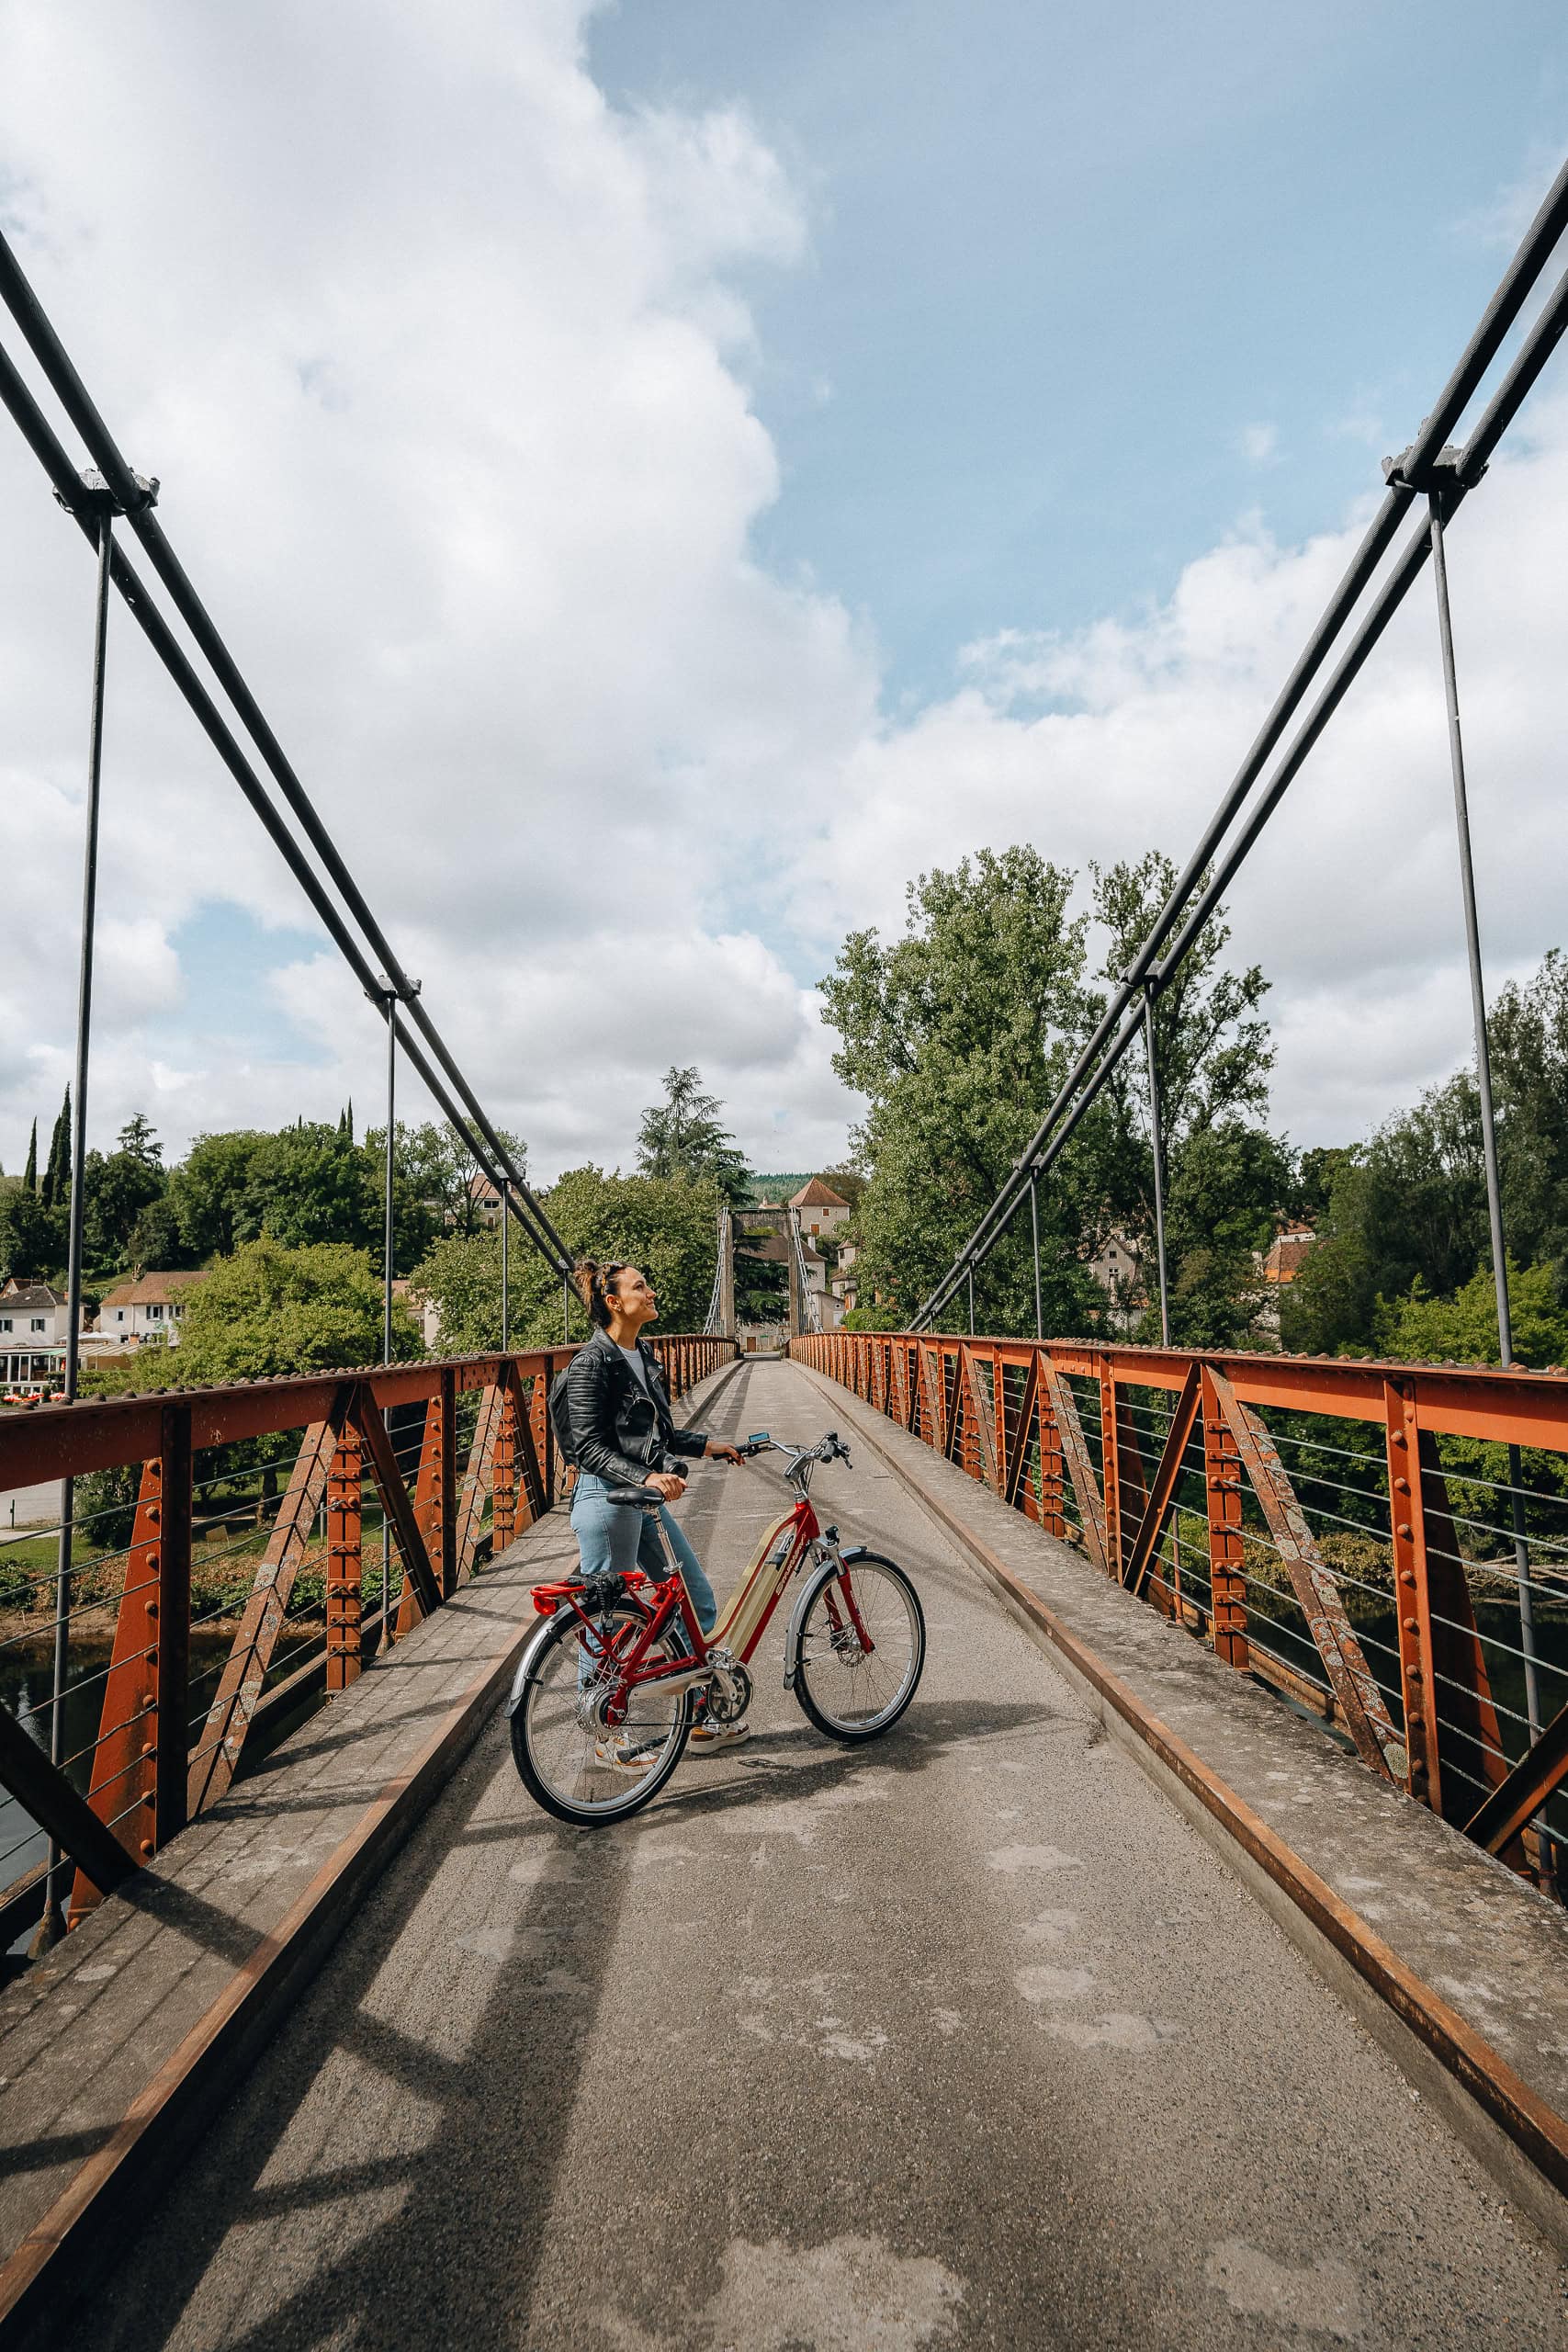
(1188, 1967)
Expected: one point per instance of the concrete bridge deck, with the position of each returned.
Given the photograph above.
(967, 2041)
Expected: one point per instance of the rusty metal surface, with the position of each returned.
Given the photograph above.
(1129, 1522)
(1168, 1472)
(1359, 1700)
(146, 1777)
(1080, 1470)
(220, 1740)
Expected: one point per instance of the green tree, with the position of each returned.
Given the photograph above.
(1316, 1172)
(435, 1166)
(308, 1185)
(29, 1173)
(56, 1186)
(682, 1138)
(1228, 1181)
(155, 1237)
(957, 1034)
(32, 1237)
(272, 1308)
(138, 1139)
(1408, 1207)
(1418, 1329)
(666, 1225)
(116, 1187)
(1528, 1035)
(209, 1192)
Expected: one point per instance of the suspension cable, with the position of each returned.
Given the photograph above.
(1413, 474)
(490, 1154)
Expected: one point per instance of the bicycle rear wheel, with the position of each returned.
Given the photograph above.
(863, 1647)
(575, 1767)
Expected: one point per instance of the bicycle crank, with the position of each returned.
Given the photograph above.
(729, 1692)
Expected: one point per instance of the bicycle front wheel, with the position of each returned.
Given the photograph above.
(576, 1767)
(863, 1645)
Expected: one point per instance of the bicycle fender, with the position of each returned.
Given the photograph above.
(808, 1592)
(523, 1675)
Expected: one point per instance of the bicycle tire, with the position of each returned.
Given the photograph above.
(542, 1783)
(814, 1703)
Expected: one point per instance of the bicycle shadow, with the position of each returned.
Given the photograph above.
(796, 1762)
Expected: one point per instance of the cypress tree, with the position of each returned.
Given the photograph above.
(29, 1174)
(57, 1175)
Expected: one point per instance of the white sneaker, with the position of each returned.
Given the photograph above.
(622, 1755)
(708, 1735)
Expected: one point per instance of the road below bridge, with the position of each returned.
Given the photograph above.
(966, 2039)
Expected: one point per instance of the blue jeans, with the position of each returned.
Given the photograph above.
(618, 1536)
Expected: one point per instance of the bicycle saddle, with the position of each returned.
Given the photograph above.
(637, 1497)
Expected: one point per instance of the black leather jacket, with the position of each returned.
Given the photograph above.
(620, 1433)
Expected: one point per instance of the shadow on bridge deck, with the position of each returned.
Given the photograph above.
(967, 2040)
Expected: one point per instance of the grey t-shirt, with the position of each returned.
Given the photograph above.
(634, 1357)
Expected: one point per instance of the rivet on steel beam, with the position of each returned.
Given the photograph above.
(152, 1608)
(1398, 1438)
(145, 1845)
(1406, 1576)
(1405, 1530)
(1410, 1625)
(1413, 1674)
(1402, 1485)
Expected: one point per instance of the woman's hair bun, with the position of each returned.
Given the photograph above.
(596, 1282)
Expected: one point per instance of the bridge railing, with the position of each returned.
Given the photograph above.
(236, 1554)
(1350, 1533)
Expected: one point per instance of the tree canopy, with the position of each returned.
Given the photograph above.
(682, 1138)
(960, 1031)
(668, 1226)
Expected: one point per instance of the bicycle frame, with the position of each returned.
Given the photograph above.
(796, 1536)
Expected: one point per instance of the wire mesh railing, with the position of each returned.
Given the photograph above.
(1347, 1532)
(236, 1554)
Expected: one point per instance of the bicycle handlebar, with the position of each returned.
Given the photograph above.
(830, 1447)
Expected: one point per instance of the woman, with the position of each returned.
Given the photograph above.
(623, 1434)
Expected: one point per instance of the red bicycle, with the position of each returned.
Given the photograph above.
(608, 1686)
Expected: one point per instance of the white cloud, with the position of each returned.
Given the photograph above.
(441, 360)
(1259, 444)
(1125, 735)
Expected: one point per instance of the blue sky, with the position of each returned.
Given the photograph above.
(1062, 260)
(675, 471)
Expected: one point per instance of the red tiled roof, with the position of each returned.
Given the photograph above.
(152, 1290)
(1283, 1262)
(818, 1195)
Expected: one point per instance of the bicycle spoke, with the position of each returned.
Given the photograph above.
(861, 1649)
(586, 1765)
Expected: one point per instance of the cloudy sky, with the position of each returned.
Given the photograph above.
(671, 472)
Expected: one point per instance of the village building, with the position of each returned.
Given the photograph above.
(147, 1310)
(34, 1319)
(822, 1211)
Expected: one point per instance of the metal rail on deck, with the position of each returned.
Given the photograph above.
(458, 1456)
(1367, 1571)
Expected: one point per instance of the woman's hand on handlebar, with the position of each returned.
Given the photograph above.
(717, 1453)
(664, 1482)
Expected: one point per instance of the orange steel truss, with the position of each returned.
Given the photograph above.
(150, 1771)
(1006, 1413)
